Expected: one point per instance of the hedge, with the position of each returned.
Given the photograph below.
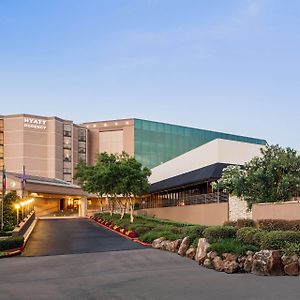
(250, 235)
(11, 243)
(272, 225)
(278, 240)
(220, 232)
(231, 246)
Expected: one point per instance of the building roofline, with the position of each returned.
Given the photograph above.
(203, 129)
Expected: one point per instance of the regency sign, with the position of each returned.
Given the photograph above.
(35, 123)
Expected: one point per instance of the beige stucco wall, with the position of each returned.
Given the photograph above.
(204, 214)
(127, 125)
(45, 207)
(280, 210)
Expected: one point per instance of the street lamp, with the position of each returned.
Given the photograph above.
(17, 207)
(22, 206)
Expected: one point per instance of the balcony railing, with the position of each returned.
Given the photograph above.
(217, 197)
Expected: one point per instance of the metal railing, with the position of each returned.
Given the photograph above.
(216, 197)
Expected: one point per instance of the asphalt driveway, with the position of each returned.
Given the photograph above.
(74, 236)
(121, 269)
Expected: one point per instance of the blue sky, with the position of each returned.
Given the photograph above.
(231, 66)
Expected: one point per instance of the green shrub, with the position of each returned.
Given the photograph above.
(5, 233)
(245, 223)
(140, 230)
(240, 223)
(11, 243)
(231, 246)
(230, 223)
(250, 235)
(282, 225)
(291, 248)
(276, 240)
(149, 237)
(219, 232)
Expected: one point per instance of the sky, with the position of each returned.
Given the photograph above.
(231, 66)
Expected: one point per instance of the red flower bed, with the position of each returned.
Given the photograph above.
(130, 233)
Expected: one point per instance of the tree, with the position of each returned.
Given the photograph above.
(272, 177)
(9, 213)
(119, 178)
(134, 181)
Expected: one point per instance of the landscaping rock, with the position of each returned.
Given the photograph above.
(231, 266)
(184, 246)
(286, 260)
(249, 253)
(292, 269)
(201, 251)
(165, 245)
(218, 264)
(207, 264)
(157, 243)
(247, 266)
(190, 253)
(211, 255)
(267, 262)
(177, 244)
(230, 256)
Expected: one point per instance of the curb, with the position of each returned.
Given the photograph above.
(27, 234)
(121, 234)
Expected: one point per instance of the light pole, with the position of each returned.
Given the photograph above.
(22, 206)
(17, 207)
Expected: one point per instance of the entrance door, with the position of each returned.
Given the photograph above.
(62, 204)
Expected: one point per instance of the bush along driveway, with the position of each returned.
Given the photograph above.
(267, 247)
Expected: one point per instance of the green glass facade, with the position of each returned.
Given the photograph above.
(156, 143)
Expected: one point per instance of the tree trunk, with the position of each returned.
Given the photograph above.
(132, 202)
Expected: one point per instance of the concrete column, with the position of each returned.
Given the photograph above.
(83, 207)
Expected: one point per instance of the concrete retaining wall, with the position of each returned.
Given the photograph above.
(204, 214)
(277, 210)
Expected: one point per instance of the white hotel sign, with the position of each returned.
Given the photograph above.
(35, 123)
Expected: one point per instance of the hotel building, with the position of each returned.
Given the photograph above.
(50, 148)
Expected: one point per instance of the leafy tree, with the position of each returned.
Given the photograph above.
(119, 178)
(9, 213)
(274, 176)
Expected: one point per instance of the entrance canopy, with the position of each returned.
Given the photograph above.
(51, 195)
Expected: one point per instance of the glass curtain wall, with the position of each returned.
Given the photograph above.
(156, 143)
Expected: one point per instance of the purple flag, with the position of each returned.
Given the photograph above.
(23, 179)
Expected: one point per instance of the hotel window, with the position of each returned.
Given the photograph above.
(67, 155)
(67, 130)
(82, 144)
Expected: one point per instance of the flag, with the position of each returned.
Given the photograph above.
(23, 180)
(3, 182)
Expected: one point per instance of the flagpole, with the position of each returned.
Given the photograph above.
(2, 202)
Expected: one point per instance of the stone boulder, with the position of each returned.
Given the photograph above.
(218, 264)
(207, 264)
(230, 256)
(190, 253)
(231, 266)
(157, 243)
(165, 245)
(291, 265)
(267, 262)
(173, 246)
(212, 254)
(292, 269)
(286, 259)
(201, 251)
(184, 246)
(247, 265)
